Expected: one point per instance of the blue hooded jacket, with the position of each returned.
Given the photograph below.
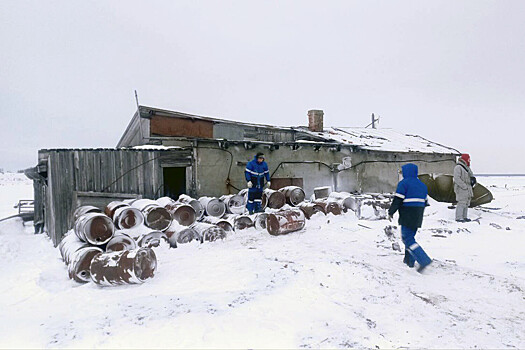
(410, 198)
(256, 172)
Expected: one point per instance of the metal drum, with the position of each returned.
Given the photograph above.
(222, 222)
(152, 239)
(272, 199)
(84, 210)
(124, 267)
(259, 221)
(284, 222)
(294, 194)
(183, 213)
(344, 199)
(120, 241)
(209, 232)
(77, 255)
(329, 206)
(240, 222)
(94, 228)
(309, 209)
(123, 215)
(235, 204)
(177, 233)
(213, 206)
(155, 216)
(199, 209)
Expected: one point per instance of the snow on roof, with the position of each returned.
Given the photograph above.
(387, 140)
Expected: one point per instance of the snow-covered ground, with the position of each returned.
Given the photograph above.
(335, 284)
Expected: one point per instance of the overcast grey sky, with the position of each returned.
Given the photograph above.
(450, 71)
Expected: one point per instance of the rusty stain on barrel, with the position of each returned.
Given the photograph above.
(285, 221)
(309, 209)
(183, 213)
(121, 241)
(94, 228)
(79, 266)
(123, 267)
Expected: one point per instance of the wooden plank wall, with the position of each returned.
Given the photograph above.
(135, 172)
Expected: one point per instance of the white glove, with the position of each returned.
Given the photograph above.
(250, 185)
(268, 184)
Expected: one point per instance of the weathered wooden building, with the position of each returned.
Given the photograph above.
(168, 153)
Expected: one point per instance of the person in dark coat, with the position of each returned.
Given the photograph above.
(410, 200)
(255, 173)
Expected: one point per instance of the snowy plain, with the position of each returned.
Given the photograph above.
(336, 284)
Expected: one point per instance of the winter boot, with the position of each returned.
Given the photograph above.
(408, 259)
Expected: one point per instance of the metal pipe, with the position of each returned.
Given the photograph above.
(123, 267)
(183, 213)
(285, 221)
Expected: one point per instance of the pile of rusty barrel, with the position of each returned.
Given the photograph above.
(114, 245)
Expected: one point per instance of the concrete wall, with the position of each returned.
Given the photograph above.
(367, 171)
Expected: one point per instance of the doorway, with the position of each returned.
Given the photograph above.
(174, 182)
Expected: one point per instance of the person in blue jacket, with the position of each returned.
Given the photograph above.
(255, 173)
(410, 200)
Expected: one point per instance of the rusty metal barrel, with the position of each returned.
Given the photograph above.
(183, 213)
(77, 255)
(329, 206)
(123, 267)
(344, 199)
(209, 232)
(199, 209)
(120, 241)
(243, 193)
(152, 239)
(309, 209)
(259, 221)
(155, 216)
(84, 210)
(285, 221)
(293, 194)
(221, 222)
(272, 199)
(235, 204)
(94, 228)
(240, 222)
(213, 206)
(177, 233)
(123, 215)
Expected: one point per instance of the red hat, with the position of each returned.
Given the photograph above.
(466, 158)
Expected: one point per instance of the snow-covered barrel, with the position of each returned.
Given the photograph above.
(272, 199)
(120, 241)
(329, 206)
(243, 193)
(213, 206)
(152, 239)
(259, 221)
(345, 199)
(177, 233)
(123, 267)
(84, 210)
(293, 194)
(94, 228)
(309, 209)
(221, 222)
(183, 213)
(77, 255)
(235, 204)
(123, 215)
(199, 209)
(155, 216)
(240, 222)
(209, 232)
(285, 221)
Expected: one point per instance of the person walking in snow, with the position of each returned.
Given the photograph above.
(255, 173)
(410, 200)
(464, 180)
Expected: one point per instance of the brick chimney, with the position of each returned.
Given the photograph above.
(315, 120)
